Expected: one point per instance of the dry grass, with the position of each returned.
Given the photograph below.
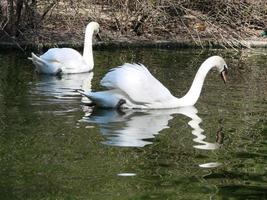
(227, 21)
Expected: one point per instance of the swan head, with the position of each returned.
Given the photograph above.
(220, 64)
(93, 26)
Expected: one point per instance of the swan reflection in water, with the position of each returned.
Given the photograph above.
(133, 128)
(64, 87)
(136, 128)
(130, 128)
(59, 93)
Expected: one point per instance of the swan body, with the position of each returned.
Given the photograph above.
(133, 86)
(68, 60)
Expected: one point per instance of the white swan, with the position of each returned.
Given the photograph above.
(132, 86)
(68, 60)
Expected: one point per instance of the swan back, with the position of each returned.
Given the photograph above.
(69, 60)
(60, 54)
(137, 83)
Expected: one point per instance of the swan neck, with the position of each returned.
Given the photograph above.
(193, 93)
(88, 47)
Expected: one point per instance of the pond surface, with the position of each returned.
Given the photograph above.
(54, 147)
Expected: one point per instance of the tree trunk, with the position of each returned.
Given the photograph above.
(19, 7)
(11, 11)
(10, 26)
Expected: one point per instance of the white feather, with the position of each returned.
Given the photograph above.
(67, 60)
(134, 84)
(137, 83)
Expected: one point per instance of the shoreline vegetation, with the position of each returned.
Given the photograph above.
(39, 24)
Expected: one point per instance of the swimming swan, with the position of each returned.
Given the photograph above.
(68, 60)
(133, 86)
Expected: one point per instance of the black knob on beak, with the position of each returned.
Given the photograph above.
(224, 74)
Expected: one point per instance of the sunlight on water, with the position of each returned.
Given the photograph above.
(127, 174)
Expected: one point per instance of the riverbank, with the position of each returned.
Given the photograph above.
(100, 45)
(145, 23)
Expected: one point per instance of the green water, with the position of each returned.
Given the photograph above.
(53, 147)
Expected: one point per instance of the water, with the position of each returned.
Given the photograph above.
(53, 147)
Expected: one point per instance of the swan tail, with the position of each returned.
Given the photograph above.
(83, 93)
(46, 66)
(86, 100)
(32, 56)
(36, 60)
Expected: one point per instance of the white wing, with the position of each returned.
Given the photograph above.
(136, 82)
(61, 54)
(71, 61)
